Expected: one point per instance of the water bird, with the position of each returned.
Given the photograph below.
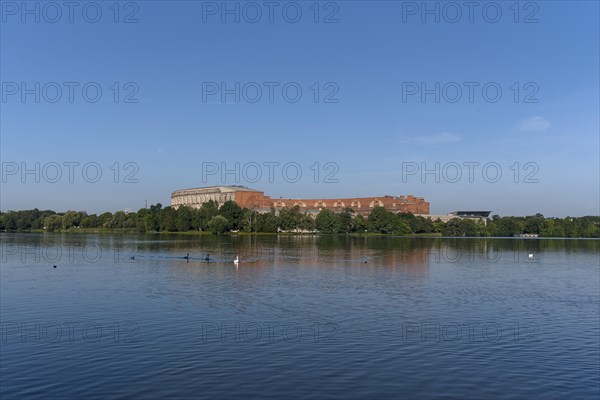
(530, 256)
(207, 258)
(236, 261)
(55, 266)
(187, 256)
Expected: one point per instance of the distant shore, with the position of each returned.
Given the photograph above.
(82, 231)
(231, 219)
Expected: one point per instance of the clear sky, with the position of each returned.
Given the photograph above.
(400, 88)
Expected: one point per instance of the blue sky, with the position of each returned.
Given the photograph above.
(368, 62)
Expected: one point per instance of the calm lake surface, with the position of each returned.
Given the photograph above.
(125, 316)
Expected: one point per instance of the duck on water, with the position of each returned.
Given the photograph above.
(236, 261)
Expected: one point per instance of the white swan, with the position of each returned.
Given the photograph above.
(236, 261)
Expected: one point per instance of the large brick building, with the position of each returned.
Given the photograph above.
(254, 199)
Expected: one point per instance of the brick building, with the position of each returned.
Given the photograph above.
(254, 199)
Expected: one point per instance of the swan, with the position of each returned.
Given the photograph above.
(236, 261)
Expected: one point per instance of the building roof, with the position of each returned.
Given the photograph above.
(220, 189)
(481, 214)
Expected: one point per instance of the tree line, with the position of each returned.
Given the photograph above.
(232, 218)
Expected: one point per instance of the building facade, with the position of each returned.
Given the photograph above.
(198, 196)
(477, 216)
(254, 199)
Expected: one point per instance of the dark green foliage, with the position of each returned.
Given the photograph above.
(183, 219)
(218, 224)
(328, 222)
(267, 222)
(346, 223)
(359, 223)
(232, 213)
(53, 223)
(159, 218)
(290, 218)
(167, 219)
(462, 227)
(383, 221)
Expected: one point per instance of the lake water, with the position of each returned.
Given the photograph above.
(125, 316)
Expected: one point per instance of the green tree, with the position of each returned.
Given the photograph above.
(508, 226)
(249, 220)
(533, 224)
(90, 221)
(218, 224)
(346, 221)
(308, 222)
(400, 227)
(183, 219)
(383, 221)
(360, 223)
(462, 227)
(328, 222)
(10, 221)
(130, 222)
(552, 228)
(267, 222)
(167, 219)
(53, 223)
(591, 230)
(72, 219)
(232, 213)
(290, 218)
(207, 211)
(105, 218)
(150, 218)
(117, 221)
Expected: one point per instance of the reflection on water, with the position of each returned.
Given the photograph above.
(158, 316)
(262, 250)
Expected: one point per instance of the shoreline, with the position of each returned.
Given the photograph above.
(305, 234)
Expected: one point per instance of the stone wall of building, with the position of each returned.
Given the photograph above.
(361, 205)
(448, 217)
(254, 199)
(198, 196)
